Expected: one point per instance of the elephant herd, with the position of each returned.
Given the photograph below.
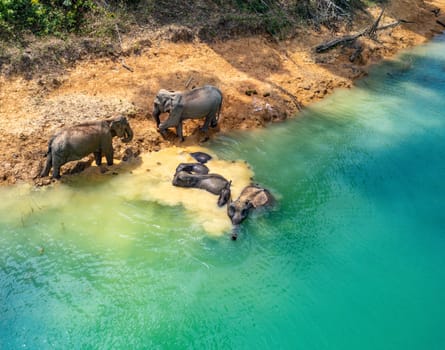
(196, 175)
(75, 142)
(78, 141)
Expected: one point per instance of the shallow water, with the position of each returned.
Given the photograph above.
(351, 257)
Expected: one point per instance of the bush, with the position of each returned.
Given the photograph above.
(43, 16)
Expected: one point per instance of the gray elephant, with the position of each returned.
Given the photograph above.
(78, 141)
(212, 183)
(204, 102)
(251, 197)
(196, 168)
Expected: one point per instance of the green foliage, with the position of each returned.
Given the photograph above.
(258, 6)
(43, 16)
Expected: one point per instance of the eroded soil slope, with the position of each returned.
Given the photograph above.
(262, 80)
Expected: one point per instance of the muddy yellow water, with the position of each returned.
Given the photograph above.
(145, 178)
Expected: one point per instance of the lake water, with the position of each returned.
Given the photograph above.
(352, 257)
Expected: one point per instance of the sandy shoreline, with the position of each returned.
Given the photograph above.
(262, 81)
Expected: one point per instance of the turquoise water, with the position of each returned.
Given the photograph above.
(351, 258)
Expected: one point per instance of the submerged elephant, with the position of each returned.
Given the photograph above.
(251, 197)
(204, 102)
(78, 141)
(212, 183)
(201, 157)
(196, 168)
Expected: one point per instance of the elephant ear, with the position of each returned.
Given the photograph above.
(164, 100)
(115, 124)
(176, 100)
(260, 199)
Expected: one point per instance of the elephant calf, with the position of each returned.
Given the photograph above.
(78, 141)
(204, 102)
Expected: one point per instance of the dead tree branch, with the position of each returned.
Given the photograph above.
(369, 31)
(373, 29)
(339, 41)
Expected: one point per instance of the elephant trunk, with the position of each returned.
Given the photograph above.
(128, 134)
(235, 231)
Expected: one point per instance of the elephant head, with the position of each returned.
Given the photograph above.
(162, 104)
(251, 197)
(120, 127)
(238, 210)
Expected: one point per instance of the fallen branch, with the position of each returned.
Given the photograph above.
(373, 29)
(343, 40)
(370, 31)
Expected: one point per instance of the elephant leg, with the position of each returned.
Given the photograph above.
(174, 118)
(56, 168)
(210, 120)
(205, 127)
(98, 157)
(179, 131)
(214, 120)
(109, 156)
(45, 171)
(106, 148)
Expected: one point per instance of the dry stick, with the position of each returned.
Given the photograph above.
(120, 43)
(372, 30)
(294, 99)
(188, 82)
(127, 67)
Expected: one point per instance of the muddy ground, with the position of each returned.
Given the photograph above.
(262, 80)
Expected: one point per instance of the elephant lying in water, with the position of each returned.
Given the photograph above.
(187, 176)
(78, 141)
(204, 102)
(196, 168)
(251, 197)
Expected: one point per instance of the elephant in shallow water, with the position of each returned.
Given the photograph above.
(196, 168)
(251, 197)
(78, 141)
(213, 183)
(204, 102)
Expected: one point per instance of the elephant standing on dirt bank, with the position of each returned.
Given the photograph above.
(78, 141)
(204, 102)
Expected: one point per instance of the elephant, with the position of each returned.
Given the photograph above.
(196, 168)
(204, 102)
(76, 142)
(212, 183)
(251, 197)
(201, 157)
